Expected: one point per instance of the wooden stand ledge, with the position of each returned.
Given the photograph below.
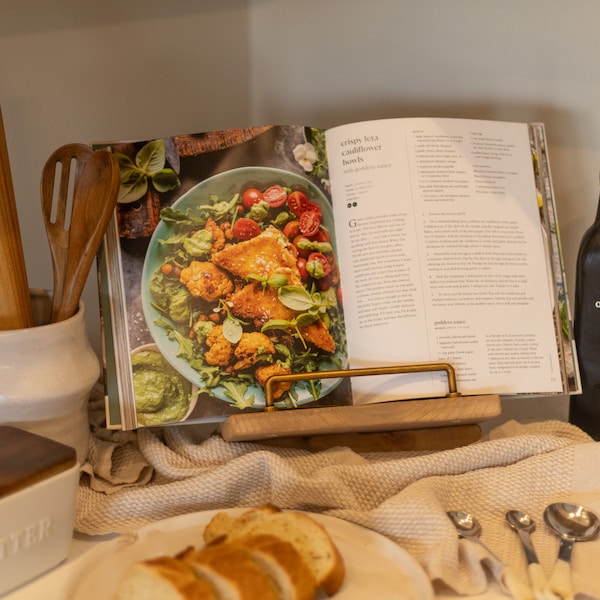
(384, 417)
(407, 440)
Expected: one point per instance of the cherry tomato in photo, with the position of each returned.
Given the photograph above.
(291, 229)
(314, 208)
(321, 236)
(301, 263)
(251, 196)
(325, 283)
(320, 257)
(297, 202)
(297, 241)
(335, 272)
(275, 196)
(310, 222)
(245, 229)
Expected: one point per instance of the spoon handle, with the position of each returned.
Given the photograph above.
(537, 577)
(15, 303)
(516, 587)
(539, 583)
(527, 543)
(560, 584)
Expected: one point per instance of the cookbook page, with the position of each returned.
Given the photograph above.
(218, 272)
(442, 256)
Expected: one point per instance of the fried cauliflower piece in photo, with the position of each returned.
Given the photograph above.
(263, 373)
(218, 235)
(318, 335)
(205, 280)
(250, 348)
(220, 350)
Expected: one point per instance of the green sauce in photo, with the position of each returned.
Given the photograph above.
(162, 395)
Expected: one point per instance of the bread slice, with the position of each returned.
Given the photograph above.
(231, 572)
(163, 578)
(308, 537)
(292, 577)
(218, 527)
(222, 522)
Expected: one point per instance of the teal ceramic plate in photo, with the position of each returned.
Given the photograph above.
(224, 186)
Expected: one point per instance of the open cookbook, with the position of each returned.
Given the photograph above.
(241, 254)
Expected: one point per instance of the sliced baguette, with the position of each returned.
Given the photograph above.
(280, 559)
(310, 539)
(263, 554)
(231, 572)
(163, 578)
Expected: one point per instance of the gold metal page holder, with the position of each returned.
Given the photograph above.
(453, 409)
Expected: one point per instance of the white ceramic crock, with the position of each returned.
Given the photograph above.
(46, 376)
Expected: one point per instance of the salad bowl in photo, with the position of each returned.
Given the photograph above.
(240, 282)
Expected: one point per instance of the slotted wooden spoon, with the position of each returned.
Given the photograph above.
(61, 171)
(94, 200)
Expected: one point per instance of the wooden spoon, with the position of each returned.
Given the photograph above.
(65, 163)
(15, 305)
(94, 201)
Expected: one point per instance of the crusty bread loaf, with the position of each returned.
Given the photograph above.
(292, 577)
(163, 578)
(310, 539)
(231, 572)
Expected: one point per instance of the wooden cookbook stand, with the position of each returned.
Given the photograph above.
(416, 424)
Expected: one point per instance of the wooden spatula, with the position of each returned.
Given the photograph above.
(15, 305)
(94, 201)
(59, 176)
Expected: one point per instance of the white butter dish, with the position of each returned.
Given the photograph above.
(38, 493)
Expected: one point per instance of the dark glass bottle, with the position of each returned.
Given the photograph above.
(585, 408)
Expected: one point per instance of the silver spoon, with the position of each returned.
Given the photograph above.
(467, 526)
(571, 523)
(523, 524)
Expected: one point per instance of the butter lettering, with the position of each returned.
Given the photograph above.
(20, 540)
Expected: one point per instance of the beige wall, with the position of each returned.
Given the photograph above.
(73, 70)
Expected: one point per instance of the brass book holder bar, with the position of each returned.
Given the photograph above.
(336, 374)
(453, 409)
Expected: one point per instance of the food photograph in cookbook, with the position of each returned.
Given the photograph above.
(240, 287)
(236, 280)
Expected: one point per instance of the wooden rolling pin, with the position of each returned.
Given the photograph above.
(15, 304)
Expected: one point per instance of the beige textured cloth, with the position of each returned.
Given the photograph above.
(404, 496)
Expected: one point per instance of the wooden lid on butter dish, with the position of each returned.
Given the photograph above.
(27, 458)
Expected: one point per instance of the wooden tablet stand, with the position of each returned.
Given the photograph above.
(447, 421)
